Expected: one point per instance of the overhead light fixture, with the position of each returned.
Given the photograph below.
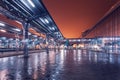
(46, 21)
(18, 22)
(1, 24)
(30, 1)
(2, 30)
(42, 20)
(17, 30)
(53, 28)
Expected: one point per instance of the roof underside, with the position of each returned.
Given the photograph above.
(32, 12)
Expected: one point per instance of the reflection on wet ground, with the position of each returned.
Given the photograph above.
(61, 65)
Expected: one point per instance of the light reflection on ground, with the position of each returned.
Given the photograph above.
(61, 65)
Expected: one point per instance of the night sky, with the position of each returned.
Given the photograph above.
(75, 16)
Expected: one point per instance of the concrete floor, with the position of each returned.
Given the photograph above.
(61, 65)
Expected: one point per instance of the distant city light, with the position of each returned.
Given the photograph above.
(74, 40)
(30, 1)
(11, 39)
(1, 24)
(78, 39)
(35, 35)
(3, 38)
(29, 33)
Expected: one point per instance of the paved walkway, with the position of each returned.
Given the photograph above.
(61, 65)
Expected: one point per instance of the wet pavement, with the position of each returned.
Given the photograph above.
(61, 65)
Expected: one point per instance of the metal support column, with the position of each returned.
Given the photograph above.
(26, 39)
(47, 39)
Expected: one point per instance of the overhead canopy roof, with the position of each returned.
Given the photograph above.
(32, 12)
(76, 16)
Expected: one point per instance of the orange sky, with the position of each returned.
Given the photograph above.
(75, 16)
